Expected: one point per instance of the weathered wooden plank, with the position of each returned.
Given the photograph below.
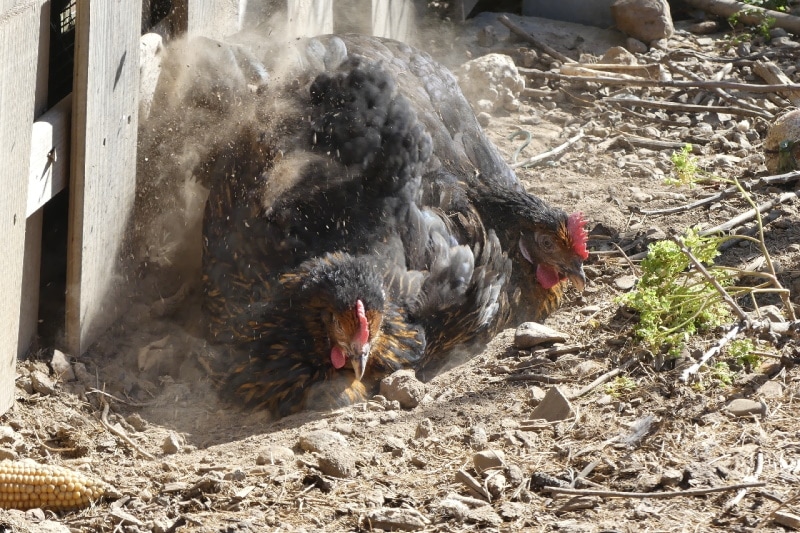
(306, 18)
(102, 187)
(29, 307)
(49, 170)
(213, 18)
(19, 37)
(394, 19)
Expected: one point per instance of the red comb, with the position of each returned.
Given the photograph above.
(576, 225)
(363, 326)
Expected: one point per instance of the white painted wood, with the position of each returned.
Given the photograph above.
(103, 182)
(393, 19)
(19, 38)
(307, 18)
(214, 18)
(50, 155)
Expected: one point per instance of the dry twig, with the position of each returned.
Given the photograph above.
(695, 368)
(642, 495)
(541, 45)
(121, 434)
(558, 150)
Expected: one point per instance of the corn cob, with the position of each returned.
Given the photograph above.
(27, 485)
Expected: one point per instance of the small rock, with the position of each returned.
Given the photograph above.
(487, 36)
(635, 46)
(275, 455)
(515, 474)
(391, 519)
(671, 477)
(11, 455)
(8, 435)
(83, 375)
(419, 461)
(625, 282)
(454, 508)
(536, 394)
(391, 444)
(745, 407)
(484, 119)
(619, 56)
(587, 368)
(553, 407)
(424, 429)
(172, 444)
(484, 516)
(236, 475)
(770, 389)
(320, 440)
(136, 422)
(42, 383)
(478, 439)
(404, 387)
(491, 77)
(590, 309)
(487, 459)
(704, 27)
(388, 417)
(531, 334)
(646, 20)
(338, 462)
(61, 366)
(496, 485)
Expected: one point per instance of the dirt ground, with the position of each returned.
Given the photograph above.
(145, 419)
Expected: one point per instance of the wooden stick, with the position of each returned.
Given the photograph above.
(597, 382)
(750, 214)
(688, 108)
(675, 84)
(519, 32)
(642, 495)
(711, 279)
(771, 73)
(558, 150)
(695, 368)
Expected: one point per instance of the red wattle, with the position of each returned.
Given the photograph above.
(337, 357)
(547, 276)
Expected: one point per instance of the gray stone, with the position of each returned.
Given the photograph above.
(484, 516)
(137, 422)
(671, 477)
(531, 334)
(61, 366)
(321, 440)
(745, 407)
(42, 383)
(484, 119)
(625, 282)
(492, 77)
(646, 20)
(486, 459)
(770, 389)
(6, 453)
(337, 461)
(392, 519)
(172, 444)
(635, 46)
(553, 407)
(404, 387)
(275, 455)
(496, 485)
(704, 27)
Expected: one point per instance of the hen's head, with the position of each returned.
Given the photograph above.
(348, 291)
(552, 243)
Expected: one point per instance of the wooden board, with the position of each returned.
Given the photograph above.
(49, 168)
(102, 187)
(19, 37)
(213, 18)
(395, 19)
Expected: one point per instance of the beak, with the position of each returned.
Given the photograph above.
(576, 275)
(358, 359)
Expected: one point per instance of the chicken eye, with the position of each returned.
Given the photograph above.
(545, 242)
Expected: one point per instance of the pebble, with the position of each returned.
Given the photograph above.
(42, 383)
(625, 282)
(536, 394)
(484, 119)
(392, 519)
(404, 387)
(236, 475)
(590, 309)
(770, 389)
(496, 485)
(424, 429)
(635, 46)
(62, 369)
(392, 444)
(275, 455)
(136, 422)
(531, 334)
(172, 444)
(553, 407)
(487, 459)
(389, 416)
(82, 374)
(671, 477)
(745, 407)
(704, 27)
(337, 461)
(485, 516)
(321, 439)
(8, 435)
(11, 455)
(515, 474)
(478, 439)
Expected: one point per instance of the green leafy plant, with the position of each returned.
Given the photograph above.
(673, 301)
(723, 374)
(686, 167)
(620, 386)
(743, 352)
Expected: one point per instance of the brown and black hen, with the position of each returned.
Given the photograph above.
(329, 333)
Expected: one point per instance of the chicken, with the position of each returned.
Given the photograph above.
(325, 338)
